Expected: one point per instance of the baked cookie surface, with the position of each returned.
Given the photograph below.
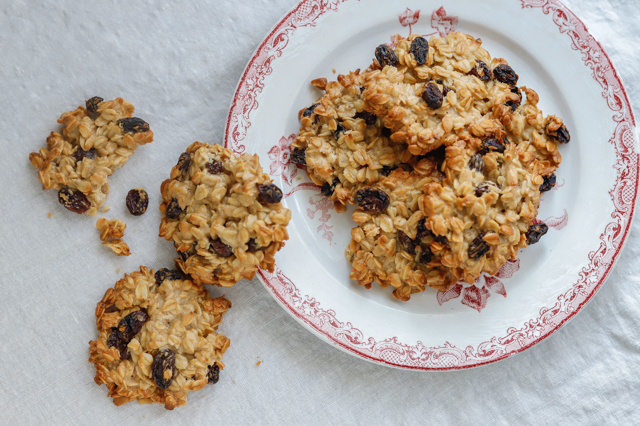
(223, 214)
(158, 338)
(95, 141)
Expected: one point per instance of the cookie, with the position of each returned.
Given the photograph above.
(390, 242)
(343, 146)
(111, 233)
(223, 214)
(95, 141)
(158, 338)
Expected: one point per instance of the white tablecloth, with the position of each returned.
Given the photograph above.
(179, 65)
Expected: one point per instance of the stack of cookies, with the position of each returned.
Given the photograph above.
(444, 156)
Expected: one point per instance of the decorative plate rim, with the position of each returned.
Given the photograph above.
(324, 322)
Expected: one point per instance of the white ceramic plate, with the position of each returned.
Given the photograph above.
(589, 212)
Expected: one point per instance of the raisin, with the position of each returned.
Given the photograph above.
(167, 274)
(561, 135)
(328, 188)
(163, 368)
(536, 232)
(253, 246)
(125, 354)
(137, 201)
(422, 230)
(477, 163)
(386, 132)
(505, 74)
(549, 182)
(372, 200)
(220, 248)
(420, 50)
(309, 111)
(446, 90)
(269, 193)
(214, 166)
(184, 162)
(438, 155)
(131, 325)
(425, 256)
(133, 124)
(214, 374)
(299, 156)
(440, 239)
(184, 255)
(408, 244)
(173, 209)
(339, 129)
(73, 199)
(386, 170)
(485, 187)
(478, 247)
(512, 104)
(115, 339)
(481, 70)
(491, 144)
(92, 103)
(432, 96)
(81, 154)
(368, 117)
(386, 56)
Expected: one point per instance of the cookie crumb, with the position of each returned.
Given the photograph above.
(259, 362)
(110, 228)
(118, 246)
(118, 270)
(105, 209)
(334, 70)
(49, 214)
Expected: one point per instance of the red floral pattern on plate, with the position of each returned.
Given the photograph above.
(322, 204)
(390, 351)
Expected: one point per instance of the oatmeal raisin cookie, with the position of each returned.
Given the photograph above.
(223, 214)
(94, 142)
(343, 146)
(158, 338)
(390, 242)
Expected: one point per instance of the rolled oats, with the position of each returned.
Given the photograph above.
(94, 142)
(222, 214)
(157, 340)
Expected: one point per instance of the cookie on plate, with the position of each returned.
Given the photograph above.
(390, 242)
(158, 338)
(223, 214)
(95, 141)
(343, 146)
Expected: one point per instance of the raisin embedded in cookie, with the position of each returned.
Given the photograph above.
(390, 242)
(158, 338)
(223, 215)
(94, 142)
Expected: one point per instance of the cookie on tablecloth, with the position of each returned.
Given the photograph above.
(223, 214)
(95, 141)
(158, 338)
